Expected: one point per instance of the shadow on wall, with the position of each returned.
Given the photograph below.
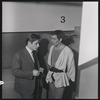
(76, 84)
(42, 53)
(44, 46)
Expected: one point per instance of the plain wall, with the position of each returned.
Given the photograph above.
(88, 88)
(88, 49)
(33, 16)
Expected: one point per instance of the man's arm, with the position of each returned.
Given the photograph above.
(71, 66)
(17, 69)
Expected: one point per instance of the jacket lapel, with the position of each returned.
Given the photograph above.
(28, 57)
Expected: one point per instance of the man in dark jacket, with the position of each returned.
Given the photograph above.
(26, 69)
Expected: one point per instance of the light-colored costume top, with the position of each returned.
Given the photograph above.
(64, 60)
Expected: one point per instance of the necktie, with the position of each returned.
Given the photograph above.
(35, 58)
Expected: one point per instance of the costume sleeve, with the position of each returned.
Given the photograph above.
(17, 69)
(71, 66)
(49, 55)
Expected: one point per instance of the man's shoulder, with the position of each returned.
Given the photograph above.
(20, 52)
(68, 49)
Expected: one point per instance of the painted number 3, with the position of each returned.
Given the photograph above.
(63, 19)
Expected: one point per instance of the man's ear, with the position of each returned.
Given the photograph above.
(60, 39)
(29, 42)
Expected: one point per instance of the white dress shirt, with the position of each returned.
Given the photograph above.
(30, 52)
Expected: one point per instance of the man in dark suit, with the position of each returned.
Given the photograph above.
(26, 69)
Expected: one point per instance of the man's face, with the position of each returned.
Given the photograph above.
(34, 45)
(54, 40)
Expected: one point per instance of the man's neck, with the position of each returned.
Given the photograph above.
(59, 46)
(29, 48)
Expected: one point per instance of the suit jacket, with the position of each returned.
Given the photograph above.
(22, 69)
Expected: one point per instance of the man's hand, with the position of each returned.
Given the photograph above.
(41, 70)
(36, 72)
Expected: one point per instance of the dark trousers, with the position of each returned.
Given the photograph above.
(37, 92)
(35, 95)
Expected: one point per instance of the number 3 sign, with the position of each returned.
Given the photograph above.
(63, 19)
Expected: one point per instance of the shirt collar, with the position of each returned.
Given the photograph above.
(28, 49)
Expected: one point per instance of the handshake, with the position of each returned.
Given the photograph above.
(37, 72)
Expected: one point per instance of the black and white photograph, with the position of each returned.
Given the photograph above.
(49, 50)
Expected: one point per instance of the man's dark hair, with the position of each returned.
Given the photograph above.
(58, 33)
(67, 40)
(32, 37)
